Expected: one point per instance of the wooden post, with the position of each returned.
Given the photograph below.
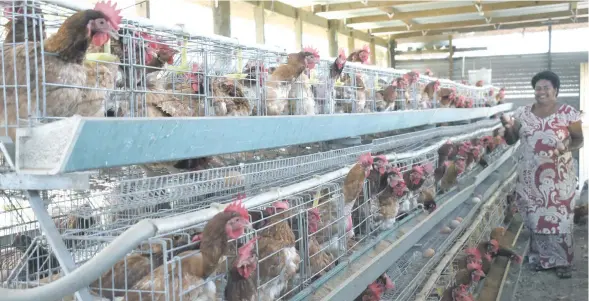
(332, 37)
(259, 17)
(550, 47)
(299, 30)
(142, 8)
(373, 51)
(392, 49)
(351, 43)
(451, 59)
(222, 18)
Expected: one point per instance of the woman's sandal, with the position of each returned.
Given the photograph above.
(564, 272)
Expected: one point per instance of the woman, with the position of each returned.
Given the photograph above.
(545, 190)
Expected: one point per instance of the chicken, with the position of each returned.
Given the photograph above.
(40, 263)
(417, 175)
(428, 72)
(196, 267)
(390, 199)
(253, 84)
(62, 71)
(460, 102)
(427, 199)
(77, 219)
(471, 255)
(472, 274)
(360, 56)
(450, 174)
(377, 181)
(320, 261)
(241, 279)
(500, 97)
(501, 251)
(134, 267)
(486, 250)
(325, 91)
(479, 83)
(412, 79)
(353, 185)
(281, 80)
(329, 233)
(446, 97)
(279, 259)
(427, 95)
(301, 89)
(446, 152)
(375, 290)
(15, 27)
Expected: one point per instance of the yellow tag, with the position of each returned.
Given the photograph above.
(184, 54)
(440, 291)
(101, 56)
(376, 84)
(339, 83)
(317, 197)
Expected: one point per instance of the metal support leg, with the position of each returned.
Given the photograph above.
(54, 239)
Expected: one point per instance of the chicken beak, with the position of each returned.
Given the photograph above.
(113, 34)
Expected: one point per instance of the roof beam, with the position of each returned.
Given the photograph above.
(453, 11)
(478, 23)
(358, 5)
(445, 50)
(310, 18)
(488, 27)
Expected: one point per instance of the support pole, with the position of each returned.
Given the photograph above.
(451, 59)
(222, 18)
(299, 30)
(373, 51)
(550, 47)
(259, 17)
(332, 37)
(351, 43)
(62, 255)
(392, 49)
(143, 8)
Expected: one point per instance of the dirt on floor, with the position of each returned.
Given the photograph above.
(546, 286)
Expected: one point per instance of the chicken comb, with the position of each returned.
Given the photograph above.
(197, 237)
(247, 248)
(112, 14)
(418, 169)
(366, 157)
(238, 207)
(312, 50)
(428, 167)
(315, 212)
(366, 48)
(342, 54)
(9, 12)
(473, 252)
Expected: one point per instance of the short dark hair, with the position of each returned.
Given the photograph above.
(547, 75)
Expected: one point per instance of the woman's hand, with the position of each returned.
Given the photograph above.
(562, 147)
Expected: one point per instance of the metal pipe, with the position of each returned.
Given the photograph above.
(54, 239)
(450, 254)
(118, 248)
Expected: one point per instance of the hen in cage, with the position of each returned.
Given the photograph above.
(360, 55)
(281, 80)
(376, 289)
(279, 259)
(326, 89)
(353, 185)
(300, 91)
(196, 267)
(18, 21)
(39, 263)
(241, 278)
(428, 92)
(64, 70)
(391, 199)
(330, 231)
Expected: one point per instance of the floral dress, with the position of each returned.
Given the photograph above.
(546, 185)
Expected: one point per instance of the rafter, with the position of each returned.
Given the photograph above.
(481, 22)
(489, 27)
(358, 5)
(453, 11)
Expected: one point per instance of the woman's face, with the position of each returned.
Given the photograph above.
(545, 92)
